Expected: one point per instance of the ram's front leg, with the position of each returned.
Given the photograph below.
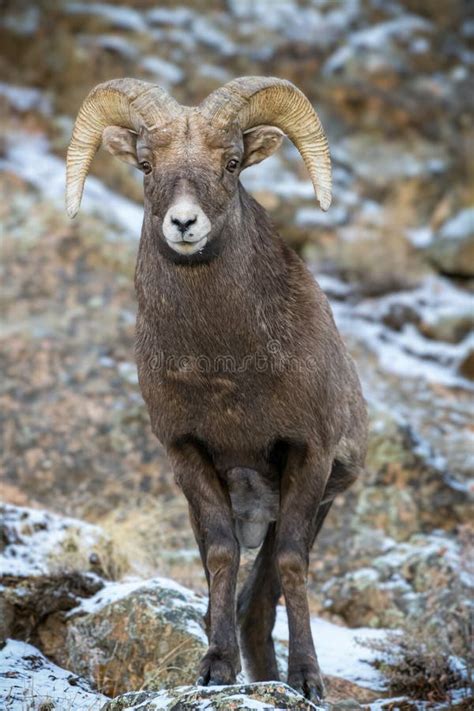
(302, 488)
(213, 527)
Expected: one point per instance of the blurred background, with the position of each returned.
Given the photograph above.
(392, 81)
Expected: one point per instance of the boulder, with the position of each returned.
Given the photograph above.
(268, 695)
(48, 564)
(452, 249)
(450, 328)
(30, 681)
(132, 635)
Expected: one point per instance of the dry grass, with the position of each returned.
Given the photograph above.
(155, 535)
(105, 559)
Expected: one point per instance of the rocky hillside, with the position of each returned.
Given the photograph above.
(395, 253)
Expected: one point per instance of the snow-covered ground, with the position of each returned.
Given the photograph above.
(342, 651)
(35, 541)
(28, 680)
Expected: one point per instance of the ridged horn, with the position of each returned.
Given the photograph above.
(267, 100)
(129, 103)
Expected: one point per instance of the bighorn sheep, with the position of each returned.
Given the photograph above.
(246, 379)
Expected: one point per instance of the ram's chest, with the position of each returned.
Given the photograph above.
(213, 371)
(214, 395)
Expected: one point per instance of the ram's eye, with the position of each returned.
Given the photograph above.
(145, 166)
(232, 165)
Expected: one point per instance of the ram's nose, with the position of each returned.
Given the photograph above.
(183, 225)
(186, 225)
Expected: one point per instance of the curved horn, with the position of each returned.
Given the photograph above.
(268, 100)
(124, 102)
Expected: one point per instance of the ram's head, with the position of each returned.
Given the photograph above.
(191, 157)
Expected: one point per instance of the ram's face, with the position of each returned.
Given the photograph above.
(191, 175)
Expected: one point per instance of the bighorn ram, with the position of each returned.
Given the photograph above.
(246, 379)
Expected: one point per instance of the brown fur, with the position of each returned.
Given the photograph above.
(250, 389)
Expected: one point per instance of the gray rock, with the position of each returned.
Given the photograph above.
(132, 635)
(452, 250)
(383, 164)
(261, 696)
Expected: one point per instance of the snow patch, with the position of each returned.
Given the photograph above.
(341, 650)
(460, 226)
(114, 591)
(407, 352)
(271, 175)
(28, 679)
(165, 71)
(34, 538)
(24, 98)
(176, 16)
(111, 43)
(124, 18)
(314, 217)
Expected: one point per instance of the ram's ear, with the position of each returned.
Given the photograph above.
(121, 143)
(259, 143)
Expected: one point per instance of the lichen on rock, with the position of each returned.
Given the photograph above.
(261, 696)
(136, 634)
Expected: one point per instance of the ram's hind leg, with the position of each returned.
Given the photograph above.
(341, 478)
(256, 613)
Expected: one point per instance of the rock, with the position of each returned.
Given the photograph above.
(380, 48)
(406, 489)
(390, 508)
(466, 367)
(48, 564)
(359, 597)
(132, 635)
(386, 500)
(30, 681)
(402, 582)
(397, 315)
(451, 328)
(385, 164)
(452, 250)
(263, 695)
